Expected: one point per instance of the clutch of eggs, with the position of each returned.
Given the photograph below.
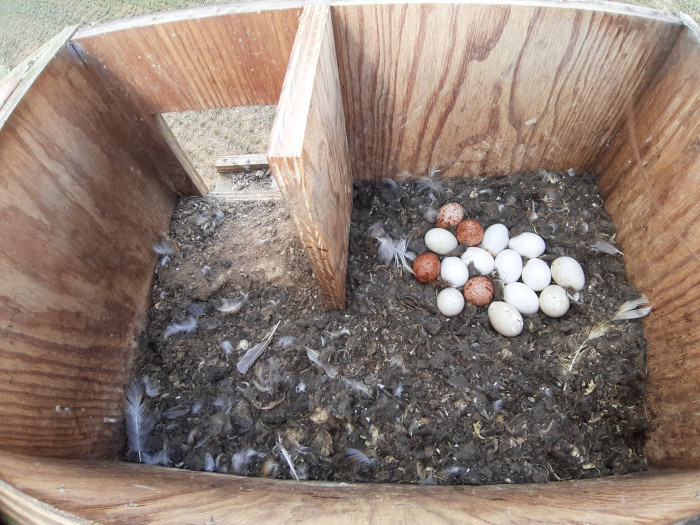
(515, 262)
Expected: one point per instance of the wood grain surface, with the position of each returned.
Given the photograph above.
(309, 155)
(247, 162)
(82, 200)
(196, 59)
(88, 184)
(651, 185)
(114, 492)
(479, 90)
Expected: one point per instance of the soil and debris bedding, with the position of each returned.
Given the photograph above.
(387, 390)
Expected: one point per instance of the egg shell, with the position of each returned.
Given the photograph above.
(553, 301)
(536, 274)
(440, 241)
(478, 291)
(522, 297)
(426, 267)
(567, 273)
(505, 319)
(449, 215)
(495, 239)
(470, 232)
(527, 244)
(450, 301)
(478, 260)
(509, 266)
(454, 271)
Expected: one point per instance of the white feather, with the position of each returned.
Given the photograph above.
(139, 420)
(251, 355)
(186, 326)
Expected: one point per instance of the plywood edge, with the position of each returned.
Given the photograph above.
(117, 492)
(181, 156)
(692, 27)
(289, 126)
(22, 77)
(192, 13)
(309, 155)
(20, 507)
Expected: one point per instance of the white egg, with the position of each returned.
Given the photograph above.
(527, 244)
(505, 319)
(567, 273)
(536, 274)
(495, 239)
(522, 297)
(553, 301)
(509, 266)
(450, 301)
(454, 271)
(481, 261)
(440, 241)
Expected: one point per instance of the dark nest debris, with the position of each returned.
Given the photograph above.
(387, 390)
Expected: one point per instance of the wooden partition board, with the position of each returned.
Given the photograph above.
(114, 492)
(86, 191)
(489, 89)
(651, 185)
(309, 155)
(194, 59)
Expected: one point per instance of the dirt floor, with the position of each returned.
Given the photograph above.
(388, 390)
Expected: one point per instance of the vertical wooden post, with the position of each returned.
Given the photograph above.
(309, 155)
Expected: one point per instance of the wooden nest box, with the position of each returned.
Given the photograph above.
(89, 175)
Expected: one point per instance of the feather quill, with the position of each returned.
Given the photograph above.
(316, 359)
(139, 420)
(251, 355)
(604, 246)
(287, 458)
(631, 310)
(232, 306)
(359, 457)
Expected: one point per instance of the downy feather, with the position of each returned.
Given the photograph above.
(431, 185)
(165, 247)
(139, 420)
(186, 326)
(395, 252)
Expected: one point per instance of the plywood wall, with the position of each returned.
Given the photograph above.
(111, 492)
(309, 153)
(196, 59)
(478, 90)
(651, 183)
(86, 190)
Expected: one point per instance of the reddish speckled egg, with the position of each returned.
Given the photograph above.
(470, 232)
(479, 291)
(450, 215)
(426, 267)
